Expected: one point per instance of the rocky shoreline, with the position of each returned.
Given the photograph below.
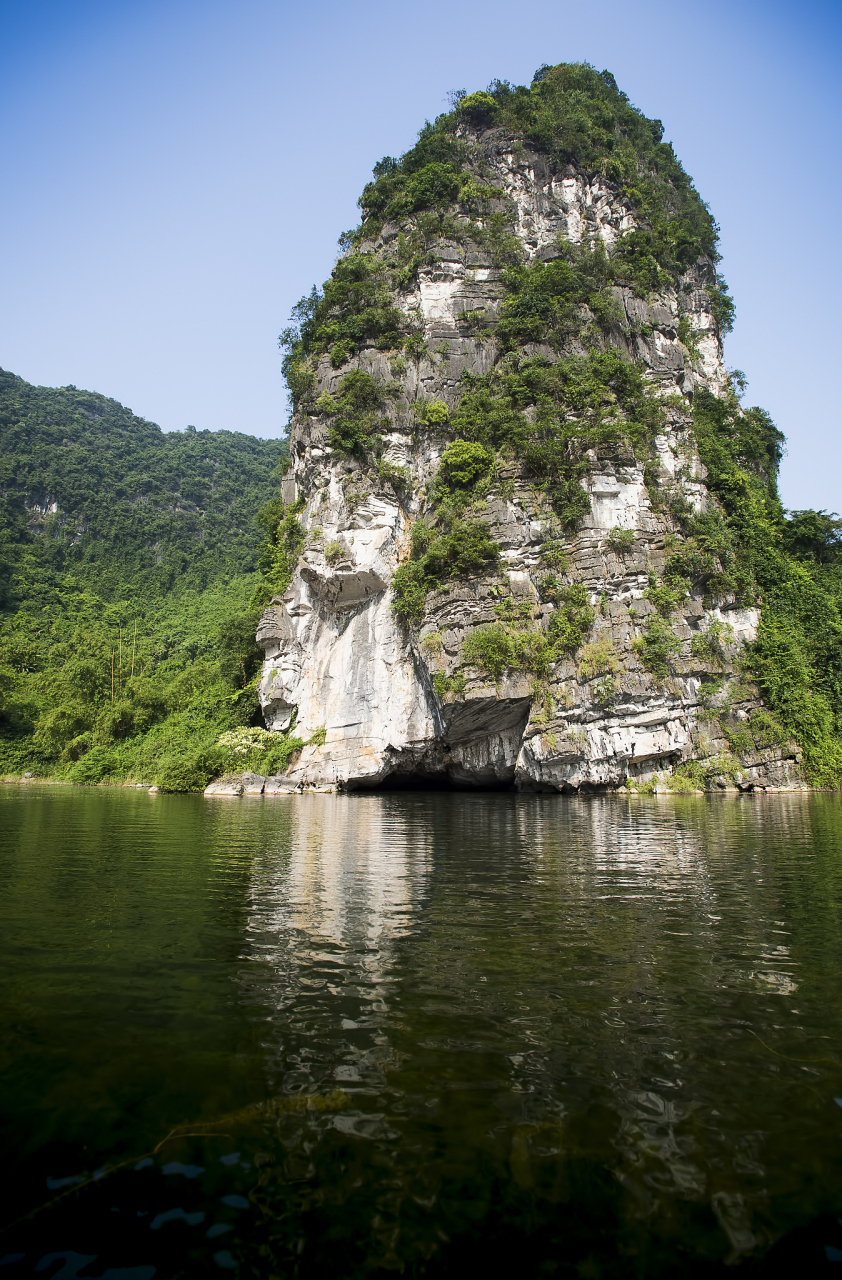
(250, 784)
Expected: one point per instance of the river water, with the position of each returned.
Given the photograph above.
(342, 1036)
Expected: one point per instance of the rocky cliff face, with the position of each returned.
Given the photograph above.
(563, 643)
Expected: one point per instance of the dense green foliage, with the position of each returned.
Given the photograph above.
(93, 689)
(459, 547)
(355, 418)
(164, 512)
(515, 643)
(279, 555)
(657, 645)
(355, 308)
(426, 176)
(129, 593)
(498, 647)
(596, 405)
(792, 567)
(572, 618)
(545, 300)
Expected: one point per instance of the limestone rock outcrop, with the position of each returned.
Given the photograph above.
(386, 696)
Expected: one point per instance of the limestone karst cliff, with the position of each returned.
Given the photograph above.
(501, 558)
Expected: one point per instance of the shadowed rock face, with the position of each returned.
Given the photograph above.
(335, 649)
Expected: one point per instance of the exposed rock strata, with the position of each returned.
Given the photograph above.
(338, 658)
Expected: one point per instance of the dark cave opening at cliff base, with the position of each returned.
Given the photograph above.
(428, 782)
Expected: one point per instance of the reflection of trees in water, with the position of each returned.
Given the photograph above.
(670, 928)
(626, 929)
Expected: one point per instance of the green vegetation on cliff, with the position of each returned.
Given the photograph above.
(572, 114)
(569, 390)
(556, 417)
(127, 581)
(791, 565)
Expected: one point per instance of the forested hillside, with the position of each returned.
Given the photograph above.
(127, 588)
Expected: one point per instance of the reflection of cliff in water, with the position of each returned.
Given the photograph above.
(516, 975)
(328, 908)
(351, 874)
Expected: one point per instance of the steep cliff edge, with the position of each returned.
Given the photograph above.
(505, 552)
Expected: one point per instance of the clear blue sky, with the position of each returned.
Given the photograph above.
(176, 174)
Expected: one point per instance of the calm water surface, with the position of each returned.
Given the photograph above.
(330, 1036)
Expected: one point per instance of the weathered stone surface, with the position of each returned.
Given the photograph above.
(225, 787)
(278, 785)
(240, 784)
(253, 784)
(337, 657)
